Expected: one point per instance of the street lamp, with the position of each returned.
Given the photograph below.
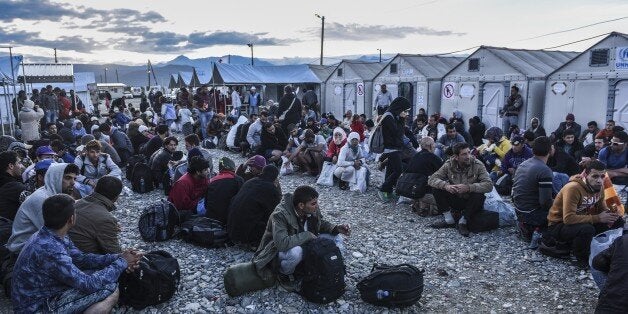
(380, 55)
(106, 75)
(251, 46)
(322, 33)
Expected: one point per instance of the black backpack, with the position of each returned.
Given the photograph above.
(142, 178)
(324, 271)
(204, 232)
(154, 282)
(134, 160)
(158, 222)
(393, 286)
(412, 185)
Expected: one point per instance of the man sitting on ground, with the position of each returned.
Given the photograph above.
(579, 212)
(254, 133)
(156, 142)
(351, 163)
(191, 187)
(448, 139)
(296, 220)
(97, 230)
(514, 157)
(251, 168)
(11, 186)
(251, 207)
(615, 157)
(459, 187)
(425, 163)
(309, 156)
(49, 274)
(120, 141)
(221, 190)
(532, 189)
(94, 165)
(160, 160)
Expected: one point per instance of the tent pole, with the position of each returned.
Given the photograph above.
(6, 101)
(11, 126)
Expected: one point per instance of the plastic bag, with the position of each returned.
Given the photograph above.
(495, 203)
(600, 243)
(286, 166)
(361, 180)
(326, 177)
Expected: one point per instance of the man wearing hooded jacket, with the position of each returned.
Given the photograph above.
(392, 124)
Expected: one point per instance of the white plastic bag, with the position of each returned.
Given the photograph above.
(600, 243)
(326, 177)
(495, 203)
(360, 177)
(286, 166)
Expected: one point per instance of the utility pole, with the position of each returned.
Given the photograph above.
(101, 79)
(118, 79)
(148, 73)
(251, 46)
(106, 74)
(56, 61)
(322, 34)
(380, 55)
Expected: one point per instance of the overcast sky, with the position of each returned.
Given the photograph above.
(131, 31)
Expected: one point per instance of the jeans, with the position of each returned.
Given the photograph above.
(289, 259)
(252, 109)
(558, 181)
(205, 117)
(74, 301)
(393, 170)
(468, 206)
(381, 110)
(52, 116)
(507, 121)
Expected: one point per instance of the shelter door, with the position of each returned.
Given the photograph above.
(406, 90)
(349, 99)
(621, 104)
(492, 102)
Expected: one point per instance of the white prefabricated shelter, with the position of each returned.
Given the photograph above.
(417, 78)
(593, 86)
(480, 85)
(350, 87)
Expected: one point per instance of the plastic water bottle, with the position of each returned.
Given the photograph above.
(382, 294)
(536, 238)
(142, 185)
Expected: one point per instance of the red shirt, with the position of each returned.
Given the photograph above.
(187, 191)
(358, 127)
(333, 149)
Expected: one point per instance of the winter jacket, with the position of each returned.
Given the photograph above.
(187, 191)
(513, 160)
(277, 141)
(284, 231)
(576, 203)
(96, 229)
(104, 167)
(574, 150)
(10, 190)
(158, 164)
(613, 261)
(563, 163)
(29, 122)
(425, 163)
(294, 113)
(251, 208)
(65, 108)
(563, 126)
(221, 190)
(333, 149)
(513, 105)
(445, 141)
(153, 145)
(392, 130)
(477, 133)
(50, 102)
(29, 218)
(254, 134)
(168, 112)
(121, 142)
(475, 176)
(138, 140)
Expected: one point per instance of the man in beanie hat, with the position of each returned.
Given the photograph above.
(192, 186)
(393, 122)
(251, 168)
(222, 188)
(251, 207)
(569, 124)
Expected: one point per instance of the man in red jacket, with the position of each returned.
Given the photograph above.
(192, 186)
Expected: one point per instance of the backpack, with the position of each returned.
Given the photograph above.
(204, 232)
(158, 221)
(324, 271)
(209, 143)
(132, 161)
(393, 286)
(142, 178)
(154, 282)
(376, 140)
(412, 185)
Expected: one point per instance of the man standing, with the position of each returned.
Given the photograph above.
(459, 187)
(50, 104)
(310, 99)
(236, 101)
(382, 100)
(204, 106)
(615, 157)
(511, 109)
(11, 186)
(254, 100)
(579, 212)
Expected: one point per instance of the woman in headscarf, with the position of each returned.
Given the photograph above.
(351, 160)
(77, 129)
(29, 117)
(338, 140)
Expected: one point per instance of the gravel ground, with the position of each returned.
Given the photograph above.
(488, 272)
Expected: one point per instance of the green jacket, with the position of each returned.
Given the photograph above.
(282, 234)
(475, 176)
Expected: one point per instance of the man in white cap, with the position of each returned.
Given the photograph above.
(254, 99)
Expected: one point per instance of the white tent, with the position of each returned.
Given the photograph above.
(350, 87)
(480, 85)
(417, 78)
(593, 86)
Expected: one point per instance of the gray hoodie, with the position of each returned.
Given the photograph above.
(29, 218)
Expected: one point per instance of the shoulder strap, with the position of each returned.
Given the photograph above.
(83, 165)
(283, 115)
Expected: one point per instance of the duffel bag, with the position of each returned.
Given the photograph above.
(392, 286)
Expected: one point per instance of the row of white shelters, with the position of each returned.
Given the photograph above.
(417, 78)
(593, 85)
(480, 85)
(350, 87)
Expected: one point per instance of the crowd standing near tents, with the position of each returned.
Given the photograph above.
(63, 172)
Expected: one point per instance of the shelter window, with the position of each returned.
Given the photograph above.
(393, 68)
(599, 57)
(339, 72)
(474, 65)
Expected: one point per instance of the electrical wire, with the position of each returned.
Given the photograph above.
(574, 29)
(577, 41)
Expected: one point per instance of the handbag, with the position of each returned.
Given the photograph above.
(326, 177)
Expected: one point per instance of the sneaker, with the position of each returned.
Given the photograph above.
(442, 225)
(343, 185)
(384, 196)
(463, 230)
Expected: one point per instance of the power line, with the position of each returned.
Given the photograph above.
(577, 41)
(575, 28)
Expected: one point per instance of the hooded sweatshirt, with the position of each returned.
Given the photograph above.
(29, 218)
(80, 131)
(577, 203)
